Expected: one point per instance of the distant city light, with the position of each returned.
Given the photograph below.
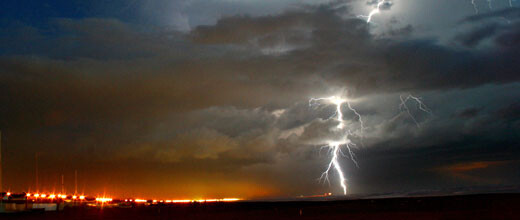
(181, 201)
(63, 198)
(102, 200)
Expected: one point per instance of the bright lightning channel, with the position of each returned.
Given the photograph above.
(375, 11)
(335, 146)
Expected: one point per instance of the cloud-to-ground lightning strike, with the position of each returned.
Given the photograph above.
(375, 11)
(420, 105)
(335, 146)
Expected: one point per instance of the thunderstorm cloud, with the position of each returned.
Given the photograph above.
(196, 102)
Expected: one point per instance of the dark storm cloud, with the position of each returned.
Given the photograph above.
(93, 38)
(315, 40)
(437, 167)
(473, 38)
(343, 51)
(399, 32)
(501, 27)
(510, 113)
(508, 13)
(469, 113)
(241, 29)
(229, 101)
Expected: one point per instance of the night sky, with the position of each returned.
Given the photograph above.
(210, 98)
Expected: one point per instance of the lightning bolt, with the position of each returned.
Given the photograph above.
(489, 3)
(374, 11)
(420, 105)
(381, 3)
(474, 6)
(335, 146)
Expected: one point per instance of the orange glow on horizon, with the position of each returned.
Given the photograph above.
(188, 191)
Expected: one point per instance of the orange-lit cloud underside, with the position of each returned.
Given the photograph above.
(473, 171)
(469, 166)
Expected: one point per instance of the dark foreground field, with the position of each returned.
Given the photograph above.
(492, 206)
